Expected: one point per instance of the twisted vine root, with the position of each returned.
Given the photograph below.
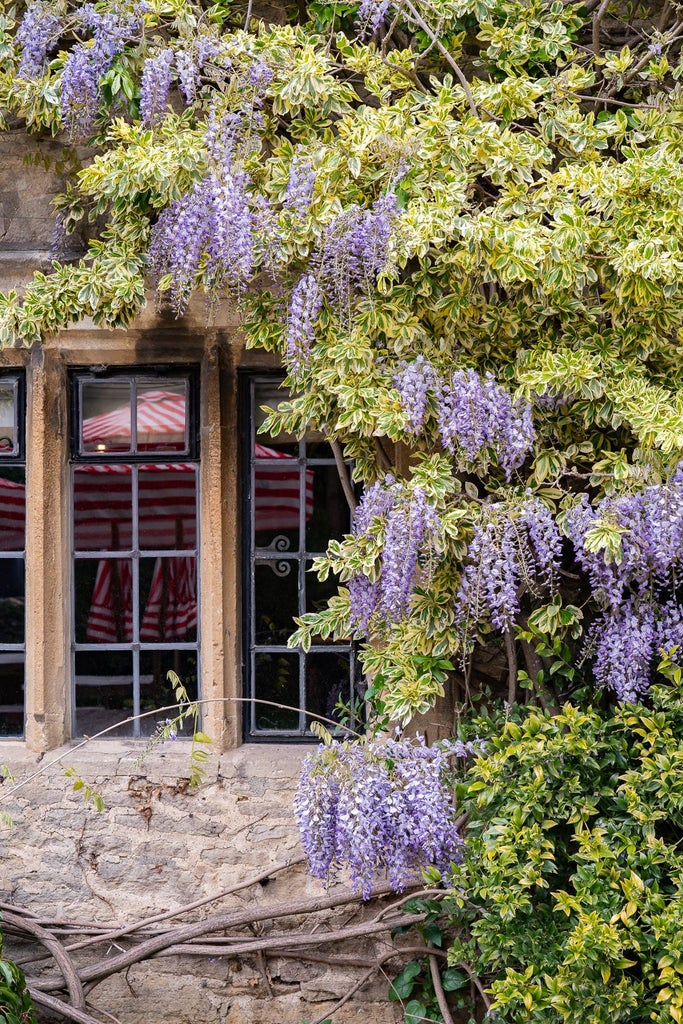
(223, 934)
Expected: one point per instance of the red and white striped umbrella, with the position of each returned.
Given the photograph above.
(171, 612)
(276, 491)
(160, 422)
(103, 507)
(110, 618)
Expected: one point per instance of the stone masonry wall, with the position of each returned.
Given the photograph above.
(157, 847)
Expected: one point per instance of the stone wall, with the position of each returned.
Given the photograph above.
(157, 847)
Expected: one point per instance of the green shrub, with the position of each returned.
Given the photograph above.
(571, 887)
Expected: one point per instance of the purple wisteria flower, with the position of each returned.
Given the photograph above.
(221, 136)
(357, 248)
(88, 62)
(545, 542)
(190, 62)
(371, 14)
(37, 34)
(636, 586)
(364, 598)
(155, 86)
(300, 185)
(407, 525)
(409, 522)
(490, 579)
(379, 808)
(376, 501)
(477, 415)
(650, 523)
(230, 242)
(304, 309)
(414, 382)
(623, 644)
(669, 628)
(511, 545)
(210, 229)
(260, 77)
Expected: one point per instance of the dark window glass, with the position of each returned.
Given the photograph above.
(135, 608)
(295, 504)
(12, 546)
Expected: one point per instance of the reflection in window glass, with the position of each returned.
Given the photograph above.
(155, 689)
(104, 692)
(276, 678)
(162, 416)
(327, 682)
(11, 693)
(134, 415)
(103, 600)
(276, 599)
(168, 599)
(295, 506)
(103, 507)
(135, 599)
(167, 497)
(106, 416)
(8, 416)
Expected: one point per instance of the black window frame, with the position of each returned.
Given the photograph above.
(17, 459)
(134, 375)
(249, 380)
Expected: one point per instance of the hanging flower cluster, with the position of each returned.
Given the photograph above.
(409, 520)
(191, 62)
(300, 185)
(37, 35)
(356, 249)
(637, 588)
(304, 309)
(512, 548)
(155, 86)
(88, 62)
(209, 228)
(379, 808)
(475, 415)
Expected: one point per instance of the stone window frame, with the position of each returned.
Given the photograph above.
(216, 353)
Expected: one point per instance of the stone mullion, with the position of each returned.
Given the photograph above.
(48, 607)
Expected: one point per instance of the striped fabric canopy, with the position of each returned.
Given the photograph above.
(167, 500)
(171, 609)
(160, 423)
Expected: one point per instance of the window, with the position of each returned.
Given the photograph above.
(134, 489)
(12, 545)
(294, 505)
